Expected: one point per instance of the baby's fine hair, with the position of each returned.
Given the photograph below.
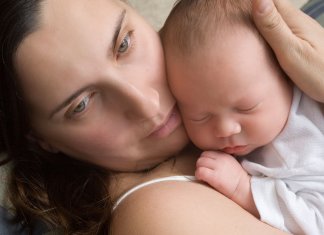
(191, 23)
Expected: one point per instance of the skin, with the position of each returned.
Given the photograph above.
(110, 123)
(122, 115)
(239, 101)
(297, 41)
(167, 208)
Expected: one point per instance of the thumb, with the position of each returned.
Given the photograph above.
(271, 24)
(296, 39)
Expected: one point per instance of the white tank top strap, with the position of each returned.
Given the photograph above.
(158, 180)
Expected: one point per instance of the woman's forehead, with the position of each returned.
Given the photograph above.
(60, 13)
(70, 32)
(72, 40)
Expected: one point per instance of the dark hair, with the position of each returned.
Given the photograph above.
(61, 191)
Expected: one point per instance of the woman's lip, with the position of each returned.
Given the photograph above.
(235, 149)
(172, 121)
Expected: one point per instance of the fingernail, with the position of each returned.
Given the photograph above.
(264, 6)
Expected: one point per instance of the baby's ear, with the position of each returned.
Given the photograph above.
(43, 144)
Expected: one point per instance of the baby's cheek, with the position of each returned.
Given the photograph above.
(260, 133)
(200, 137)
(191, 130)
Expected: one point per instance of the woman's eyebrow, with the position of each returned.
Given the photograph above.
(67, 101)
(118, 26)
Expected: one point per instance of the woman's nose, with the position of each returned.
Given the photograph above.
(226, 128)
(142, 103)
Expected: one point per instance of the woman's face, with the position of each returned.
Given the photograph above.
(94, 82)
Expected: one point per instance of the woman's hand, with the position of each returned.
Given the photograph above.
(297, 40)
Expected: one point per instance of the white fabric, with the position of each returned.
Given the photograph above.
(288, 174)
(158, 180)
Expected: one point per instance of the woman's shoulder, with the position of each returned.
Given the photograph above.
(153, 209)
(182, 207)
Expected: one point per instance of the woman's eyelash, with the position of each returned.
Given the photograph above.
(126, 44)
(81, 106)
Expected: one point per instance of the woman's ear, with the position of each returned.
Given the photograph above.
(43, 144)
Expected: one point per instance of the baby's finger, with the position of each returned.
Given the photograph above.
(206, 161)
(209, 176)
(216, 180)
(214, 154)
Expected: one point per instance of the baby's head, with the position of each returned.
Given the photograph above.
(231, 92)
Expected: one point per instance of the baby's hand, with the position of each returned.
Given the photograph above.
(224, 173)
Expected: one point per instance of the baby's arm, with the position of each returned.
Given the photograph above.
(224, 173)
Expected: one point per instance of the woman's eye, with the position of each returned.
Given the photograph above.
(78, 108)
(82, 105)
(123, 47)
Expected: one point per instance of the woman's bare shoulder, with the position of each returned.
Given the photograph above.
(183, 208)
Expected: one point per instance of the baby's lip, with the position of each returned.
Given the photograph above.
(234, 149)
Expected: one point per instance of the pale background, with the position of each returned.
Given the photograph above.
(155, 11)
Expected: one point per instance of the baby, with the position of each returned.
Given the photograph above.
(236, 101)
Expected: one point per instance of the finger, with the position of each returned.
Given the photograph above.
(207, 162)
(271, 24)
(212, 159)
(213, 154)
(208, 154)
(214, 179)
(209, 176)
(296, 40)
(293, 16)
(279, 21)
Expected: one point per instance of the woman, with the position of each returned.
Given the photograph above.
(83, 99)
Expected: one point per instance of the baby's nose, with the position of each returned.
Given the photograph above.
(226, 128)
